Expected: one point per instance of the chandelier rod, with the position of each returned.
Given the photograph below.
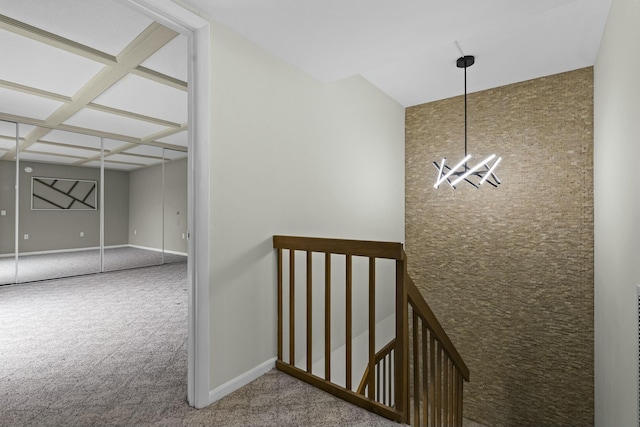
(465, 115)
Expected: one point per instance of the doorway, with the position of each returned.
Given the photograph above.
(108, 118)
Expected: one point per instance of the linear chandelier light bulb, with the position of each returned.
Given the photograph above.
(461, 171)
(451, 171)
(490, 171)
(473, 169)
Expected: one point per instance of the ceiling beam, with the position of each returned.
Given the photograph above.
(42, 36)
(34, 91)
(160, 78)
(131, 115)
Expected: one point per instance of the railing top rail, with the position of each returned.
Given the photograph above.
(365, 248)
(423, 309)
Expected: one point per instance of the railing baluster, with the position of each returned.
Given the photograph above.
(348, 318)
(309, 313)
(372, 325)
(382, 388)
(451, 390)
(292, 308)
(432, 375)
(445, 390)
(327, 316)
(439, 384)
(425, 374)
(377, 379)
(280, 304)
(460, 390)
(416, 371)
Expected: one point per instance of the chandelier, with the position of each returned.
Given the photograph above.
(478, 174)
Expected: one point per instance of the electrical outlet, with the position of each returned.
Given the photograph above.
(183, 235)
(3, 213)
(135, 231)
(82, 234)
(26, 237)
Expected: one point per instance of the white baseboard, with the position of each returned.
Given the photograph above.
(57, 251)
(166, 251)
(241, 380)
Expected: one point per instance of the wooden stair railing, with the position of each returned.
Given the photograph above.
(416, 378)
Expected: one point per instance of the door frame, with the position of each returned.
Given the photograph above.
(198, 32)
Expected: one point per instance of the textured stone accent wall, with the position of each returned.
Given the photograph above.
(509, 270)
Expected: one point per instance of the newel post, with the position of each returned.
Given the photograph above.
(402, 341)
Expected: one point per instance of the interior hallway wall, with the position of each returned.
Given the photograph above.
(508, 271)
(290, 156)
(617, 217)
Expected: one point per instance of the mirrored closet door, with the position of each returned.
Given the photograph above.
(8, 144)
(83, 204)
(59, 221)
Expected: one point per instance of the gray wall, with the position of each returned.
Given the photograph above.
(133, 202)
(7, 203)
(60, 229)
(617, 217)
(146, 209)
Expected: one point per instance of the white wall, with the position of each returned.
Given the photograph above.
(617, 216)
(289, 155)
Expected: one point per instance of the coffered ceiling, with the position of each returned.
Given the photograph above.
(73, 72)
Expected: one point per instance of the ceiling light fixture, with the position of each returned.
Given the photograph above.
(475, 175)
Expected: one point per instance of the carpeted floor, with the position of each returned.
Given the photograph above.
(110, 350)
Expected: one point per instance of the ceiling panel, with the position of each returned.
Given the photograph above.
(113, 123)
(24, 104)
(31, 63)
(147, 150)
(73, 138)
(144, 96)
(180, 138)
(7, 128)
(7, 144)
(133, 159)
(175, 155)
(106, 25)
(25, 130)
(172, 59)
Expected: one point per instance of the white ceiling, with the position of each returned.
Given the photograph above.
(407, 47)
(100, 68)
(95, 67)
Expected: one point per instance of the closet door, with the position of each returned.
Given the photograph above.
(137, 177)
(59, 219)
(8, 143)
